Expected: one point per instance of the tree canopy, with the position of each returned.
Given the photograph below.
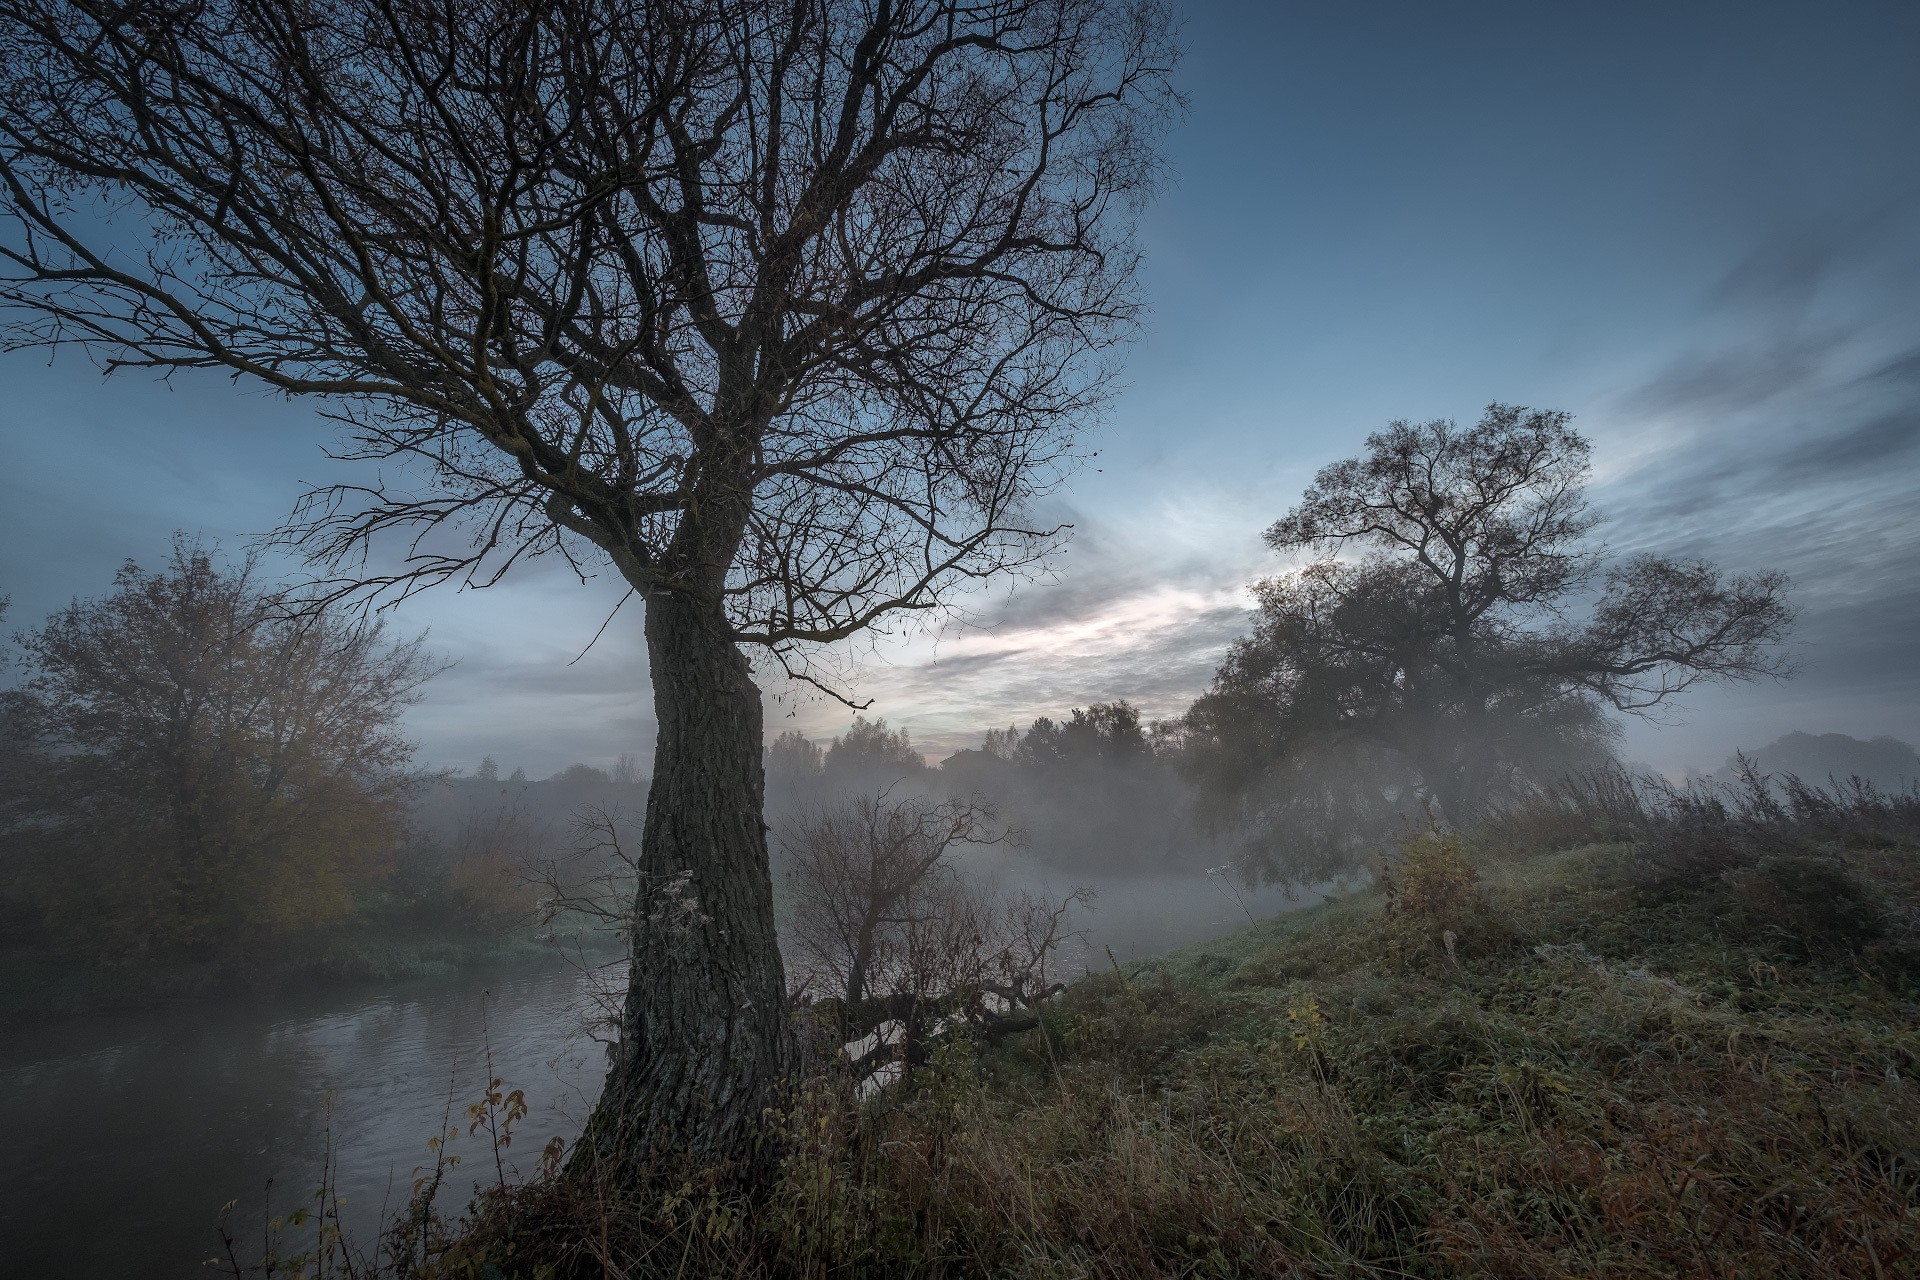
(207, 766)
(786, 312)
(1106, 733)
(801, 301)
(1447, 657)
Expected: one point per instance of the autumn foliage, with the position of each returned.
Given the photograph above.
(204, 766)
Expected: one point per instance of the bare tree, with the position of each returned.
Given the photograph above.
(862, 871)
(786, 309)
(891, 944)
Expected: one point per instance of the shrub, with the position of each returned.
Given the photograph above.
(1432, 879)
(1432, 898)
(1810, 906)
(1603, 805)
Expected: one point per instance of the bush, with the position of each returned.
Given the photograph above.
(1431, 881)
(1810, 906)
(1432, 899)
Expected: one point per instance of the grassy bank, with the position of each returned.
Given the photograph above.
(1695, 1053)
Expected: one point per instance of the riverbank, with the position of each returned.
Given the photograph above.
(1696, 1055)
(170, 1106)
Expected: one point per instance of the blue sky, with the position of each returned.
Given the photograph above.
(1696, 226)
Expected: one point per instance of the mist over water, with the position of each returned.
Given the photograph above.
(1125, 438)
(1140, 914)
(130, 1130)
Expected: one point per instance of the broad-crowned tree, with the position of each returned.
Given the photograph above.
(1449, 653)
(209, 770)
(784, 309)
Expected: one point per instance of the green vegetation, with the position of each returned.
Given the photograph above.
(1689, 1052)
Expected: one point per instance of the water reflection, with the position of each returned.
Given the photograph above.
(131, 1131)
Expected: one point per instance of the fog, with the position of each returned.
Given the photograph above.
(231, 872)
(253, 1085)
(1115, 820)
(1081, 802)
(1071, 534)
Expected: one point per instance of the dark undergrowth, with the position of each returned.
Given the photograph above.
(1689, 1051)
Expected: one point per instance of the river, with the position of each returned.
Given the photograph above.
(125, 1133)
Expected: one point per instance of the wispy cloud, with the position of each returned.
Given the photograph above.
(1788, 438)
(1141, 614)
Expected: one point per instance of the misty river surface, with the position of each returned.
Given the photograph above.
(126, 1132)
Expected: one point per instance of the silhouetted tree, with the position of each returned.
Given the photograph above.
(889, 936)
(794, 758)
(870, 755)
(210, 770)
(1107, 733)
(1449, 645)
(785, 310)
(794, 768)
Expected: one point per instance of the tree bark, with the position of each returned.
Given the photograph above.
(703, 1047)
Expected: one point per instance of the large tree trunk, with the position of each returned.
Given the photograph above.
(703, 1037)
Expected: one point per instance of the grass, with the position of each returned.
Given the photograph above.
(1693, 1053)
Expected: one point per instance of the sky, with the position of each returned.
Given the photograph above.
(1696, 227)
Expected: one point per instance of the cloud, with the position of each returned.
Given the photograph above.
(1783, 438)
(1787, 439)
(1726, 381)
(1872, 443)
(1137, 613)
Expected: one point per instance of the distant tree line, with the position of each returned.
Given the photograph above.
(1091, 790)
(1457, 640)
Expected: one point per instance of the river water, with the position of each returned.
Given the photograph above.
(124, 1134)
